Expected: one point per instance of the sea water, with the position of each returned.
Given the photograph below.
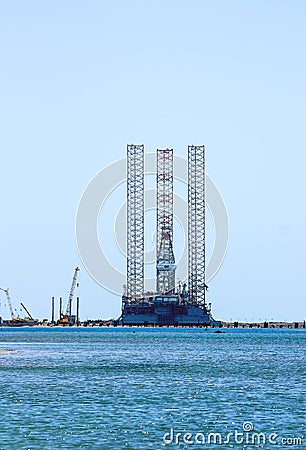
(136, 388)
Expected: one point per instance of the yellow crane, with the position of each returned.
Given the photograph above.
(67, 318)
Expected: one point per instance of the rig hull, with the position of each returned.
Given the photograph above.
(165, 311)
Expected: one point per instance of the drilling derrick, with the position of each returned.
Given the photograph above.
(165, 262)
(135, 223)
(196, 224)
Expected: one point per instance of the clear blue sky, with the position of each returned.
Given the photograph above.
(81, 79)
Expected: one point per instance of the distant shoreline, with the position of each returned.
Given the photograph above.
(105, 325)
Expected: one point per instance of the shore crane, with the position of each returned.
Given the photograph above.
(27, 311)
(67, 317)
(9, 302)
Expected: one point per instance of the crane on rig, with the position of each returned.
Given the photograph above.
(9, 302)
(68, 318)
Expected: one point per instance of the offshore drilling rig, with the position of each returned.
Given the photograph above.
(170, 304)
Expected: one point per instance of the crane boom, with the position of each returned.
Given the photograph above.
(27, 311)
(71, 293)
(9, 301)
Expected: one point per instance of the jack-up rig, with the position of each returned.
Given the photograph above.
(169, 305)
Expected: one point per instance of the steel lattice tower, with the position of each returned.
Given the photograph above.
(135, 222)
(196, 224)
(165, 262)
